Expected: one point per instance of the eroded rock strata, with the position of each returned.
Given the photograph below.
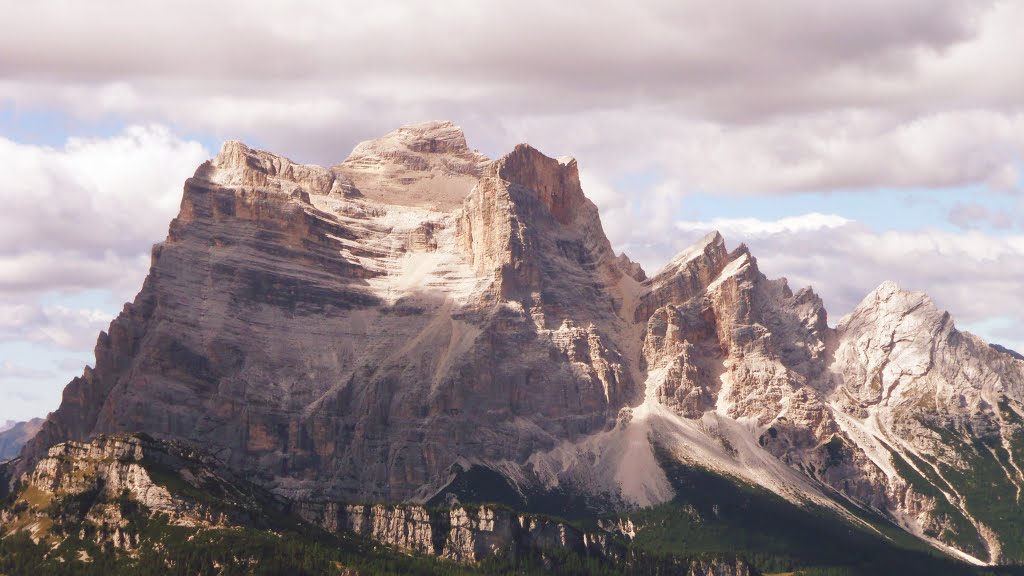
(365, 331)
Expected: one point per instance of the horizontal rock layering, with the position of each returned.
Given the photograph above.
(365, 331)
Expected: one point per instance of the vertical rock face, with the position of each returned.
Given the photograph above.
(554, 183)
(365, 331)
(461, 534)
(332, 343)
(687, 275)
(473, 535)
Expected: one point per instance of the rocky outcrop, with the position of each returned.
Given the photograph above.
(472, 535)
(463, 534)
(895, 408)
(237, 165)
(686, 276)
(107, 486)
(361, 332)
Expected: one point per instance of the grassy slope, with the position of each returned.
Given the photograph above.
(988, 494)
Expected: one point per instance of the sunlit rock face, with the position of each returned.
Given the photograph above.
(333, 342)
(366, 331)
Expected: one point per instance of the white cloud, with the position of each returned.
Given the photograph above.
(840, 150)
(51, 325)
(77, 227)
(755, 228)
(70, 328)
(727, 98)
(739, 97)
(86, 215)
(588, 52)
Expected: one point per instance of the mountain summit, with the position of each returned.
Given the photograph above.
(419, 316)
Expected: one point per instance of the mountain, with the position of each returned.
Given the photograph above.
(420, 324)
(15, 435)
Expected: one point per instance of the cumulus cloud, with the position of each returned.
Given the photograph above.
(78, 220)
(97, 194)
(804, 95)
(71, 328)
(841, 150)
(84, 216)
(657, 102)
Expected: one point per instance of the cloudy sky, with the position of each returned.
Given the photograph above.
(846, 143)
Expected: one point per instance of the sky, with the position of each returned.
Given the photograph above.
(845, 143)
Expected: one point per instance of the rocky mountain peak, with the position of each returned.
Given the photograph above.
(710, 250)
(890, 291)
(891, 297)
(556, 181)
(239, 165)
(433, 137)
(426, 165)
(361, 331)
(890, 304)
(687, 274)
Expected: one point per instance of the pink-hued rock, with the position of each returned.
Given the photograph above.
(357, 332)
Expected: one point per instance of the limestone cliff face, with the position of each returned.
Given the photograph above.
(365, 331)
(331, 343)
(93, 484)
(461, 534)
(427, 165)
(472, 535)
